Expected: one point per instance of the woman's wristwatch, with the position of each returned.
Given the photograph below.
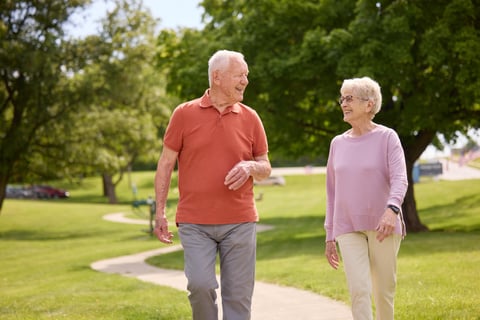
(395, 209)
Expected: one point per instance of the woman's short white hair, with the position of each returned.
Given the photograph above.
(365, 88)
(220, 60)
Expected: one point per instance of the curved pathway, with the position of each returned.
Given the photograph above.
(452, 170)
(270, 302)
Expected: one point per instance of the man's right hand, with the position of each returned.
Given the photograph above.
(161, 230)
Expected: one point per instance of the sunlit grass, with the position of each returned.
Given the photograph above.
(437, 270)
(46, 251)
(47, 247)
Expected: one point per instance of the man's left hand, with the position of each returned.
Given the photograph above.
(238, 175)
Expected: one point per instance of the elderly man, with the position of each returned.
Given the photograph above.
(221, 147)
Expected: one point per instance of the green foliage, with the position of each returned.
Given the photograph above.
(185, 61)
(118, 126)
(76, 107)
(424, 55)
(34, 90)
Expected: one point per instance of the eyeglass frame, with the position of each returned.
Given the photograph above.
(350, 98)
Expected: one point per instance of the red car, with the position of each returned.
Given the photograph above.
(48, 192)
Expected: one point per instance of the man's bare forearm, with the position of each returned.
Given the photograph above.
(260, 169)
(163, 177)
(162, 185)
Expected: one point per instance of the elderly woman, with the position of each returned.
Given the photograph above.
(366, 185)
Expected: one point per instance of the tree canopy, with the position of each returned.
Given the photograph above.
(71, 107)
(117, 124)
(424, 54)
(34, 93)
(90, 105)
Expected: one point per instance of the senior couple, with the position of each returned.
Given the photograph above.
(220, 146)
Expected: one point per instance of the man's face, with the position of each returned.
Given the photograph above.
(233, 81)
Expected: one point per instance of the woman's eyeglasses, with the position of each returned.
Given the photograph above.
(349, 99)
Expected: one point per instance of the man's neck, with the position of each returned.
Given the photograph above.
(218, 102)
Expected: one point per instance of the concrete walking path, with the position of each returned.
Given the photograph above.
(270, 302)
(452, 170)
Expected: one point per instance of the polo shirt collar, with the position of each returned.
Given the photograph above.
(206, 102)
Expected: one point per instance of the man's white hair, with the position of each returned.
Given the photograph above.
(220, 60)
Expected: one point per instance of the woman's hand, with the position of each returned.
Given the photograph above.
(386, 226)
(331, 254)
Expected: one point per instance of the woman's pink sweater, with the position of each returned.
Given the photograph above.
(364, 175)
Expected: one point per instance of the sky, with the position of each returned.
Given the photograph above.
(172, 14)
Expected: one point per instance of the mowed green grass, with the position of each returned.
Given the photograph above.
(47, 248)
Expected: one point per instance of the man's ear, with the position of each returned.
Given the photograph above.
(216, 76)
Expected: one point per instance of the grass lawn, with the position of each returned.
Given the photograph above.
(47, 246)
(475, 163)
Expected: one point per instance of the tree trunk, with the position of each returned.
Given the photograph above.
(3, 187)
(413, 149)
(410, 214)
(6, 164)
(109, 188)
(104, 186)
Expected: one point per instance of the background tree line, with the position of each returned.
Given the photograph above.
(97, 105)
(423, 54)
(75, 107)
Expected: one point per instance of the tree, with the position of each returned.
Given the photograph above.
(72, 107)
(183, 55)
(33, 93)
(423, 54)
(117, 126)
(434, 88)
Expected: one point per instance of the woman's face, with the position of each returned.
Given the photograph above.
(354, 106)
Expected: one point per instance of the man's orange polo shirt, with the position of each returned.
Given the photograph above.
(209, 145)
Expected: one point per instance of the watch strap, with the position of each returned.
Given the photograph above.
(395, 209)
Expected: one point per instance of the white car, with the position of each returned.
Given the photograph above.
(271, 181)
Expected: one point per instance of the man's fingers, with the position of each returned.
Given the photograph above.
(237, 184)
(163, 235)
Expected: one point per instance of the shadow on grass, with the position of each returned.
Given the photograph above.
(94, 199)
(427, 243)
(291, 237)
(305, 236)
(39, 235)
(453, 216)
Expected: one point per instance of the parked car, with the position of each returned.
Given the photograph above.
(271, 181)
(17, 192)
(48, 192)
